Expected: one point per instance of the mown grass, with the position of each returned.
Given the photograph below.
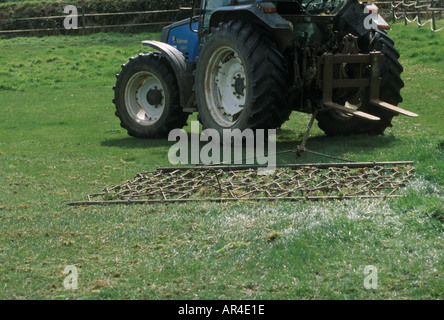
(61, 141)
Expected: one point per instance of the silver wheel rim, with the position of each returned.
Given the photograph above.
(225, 87)
(139, 87)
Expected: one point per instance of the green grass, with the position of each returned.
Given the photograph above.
(61, 141)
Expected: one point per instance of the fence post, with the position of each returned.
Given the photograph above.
(393, 10)
(405, 15)
(433, 21)
(440, 6)
(83, 20)
(433, 16)
(418, 12)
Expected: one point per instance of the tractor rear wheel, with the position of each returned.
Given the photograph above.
(147, 99)
(335, 123)
(240, 80)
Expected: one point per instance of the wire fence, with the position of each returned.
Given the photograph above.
(94, 22)
(422, 12)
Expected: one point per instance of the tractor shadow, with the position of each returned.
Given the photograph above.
(134, 143)
(352, 147)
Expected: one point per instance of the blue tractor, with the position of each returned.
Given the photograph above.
(248, 64)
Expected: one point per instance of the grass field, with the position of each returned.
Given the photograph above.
(60, 140)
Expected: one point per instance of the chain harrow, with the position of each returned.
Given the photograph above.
(237, 183)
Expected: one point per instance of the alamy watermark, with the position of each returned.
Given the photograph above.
(371, 18)
(371, 279)
(72, 278)
(72, 20)
(232, 147)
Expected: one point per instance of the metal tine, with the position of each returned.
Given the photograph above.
(368, 180)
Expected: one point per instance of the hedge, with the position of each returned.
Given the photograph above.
(11, 10)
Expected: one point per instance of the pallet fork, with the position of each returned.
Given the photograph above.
(330, 62)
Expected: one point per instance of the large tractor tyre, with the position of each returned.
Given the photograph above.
(240, 80)
(335, 123)
(147, 99)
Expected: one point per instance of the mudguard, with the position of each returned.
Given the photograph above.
(178, 63)
(271, 21)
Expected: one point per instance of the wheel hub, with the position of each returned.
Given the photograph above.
(239, 86)
(154, 97)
